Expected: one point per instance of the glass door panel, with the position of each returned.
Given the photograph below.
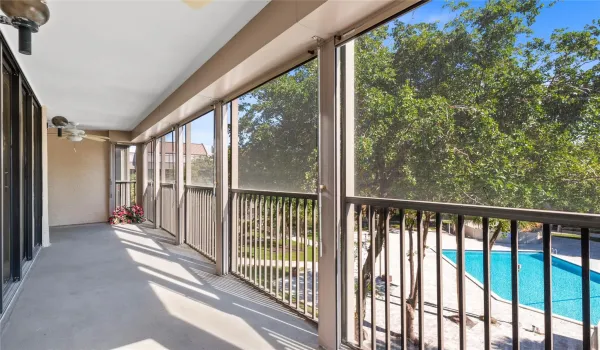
(6, 156)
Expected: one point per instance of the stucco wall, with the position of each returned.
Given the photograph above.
(78, 182)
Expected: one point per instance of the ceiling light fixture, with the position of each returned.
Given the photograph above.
(27, 16)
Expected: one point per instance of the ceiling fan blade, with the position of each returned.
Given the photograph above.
(105, 138)
(95, 138)
(196, 4)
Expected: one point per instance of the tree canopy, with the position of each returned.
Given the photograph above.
(477, 110)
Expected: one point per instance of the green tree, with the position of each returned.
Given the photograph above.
(478, 111)
(278, 133)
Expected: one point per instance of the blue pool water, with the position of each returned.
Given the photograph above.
(566, 281)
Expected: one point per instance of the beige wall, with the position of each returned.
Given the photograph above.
(78, 182)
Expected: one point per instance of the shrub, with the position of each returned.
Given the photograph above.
(127, 215)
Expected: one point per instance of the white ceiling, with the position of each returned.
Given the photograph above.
(108, 64)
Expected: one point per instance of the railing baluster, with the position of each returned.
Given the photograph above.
(297, 253)
(264, 241)
(440, 284)
(283, 246)
(386, 217)
(213, 234)
(245, 236)
(236, 230)
(514, 249)
(193, 215)
(255, 269)
(270, 228)
(403, 339)
(259, 230)
(547, 242)
(373, 285)
(460, 259)
(208, 219)
(248, 237)
(197, 222)
(487, 283)
(207, 223)
(420, 245)
(205, 228)
(585, 287)
(314, 264)
(290, 232)
(193, 210)
(277, 249)
(202, 218)
(361, 312)
(305, 256)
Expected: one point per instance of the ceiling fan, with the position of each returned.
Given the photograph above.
(71, 133)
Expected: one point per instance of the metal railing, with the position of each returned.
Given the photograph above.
(168, 202)
(149, 202)
(371, 235)
(276, 235)
(124, 193)
(200, 232)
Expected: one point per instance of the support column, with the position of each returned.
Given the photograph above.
(111, 177)
(329, 200)
(234, 182)
(45, 222)
(234, 143)
(346, 113)
(188, 168)
(179, 135)
(141, 173)
(222, 193)
(156, 181)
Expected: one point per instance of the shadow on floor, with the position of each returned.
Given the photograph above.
(129, 287)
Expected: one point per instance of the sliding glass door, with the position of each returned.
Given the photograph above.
(7, 77)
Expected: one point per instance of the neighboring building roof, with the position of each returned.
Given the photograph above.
(197, 149)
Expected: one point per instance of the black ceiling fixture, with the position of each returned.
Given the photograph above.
(60, 122)
(27, 16)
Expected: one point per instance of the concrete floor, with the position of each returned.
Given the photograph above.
(128, 287)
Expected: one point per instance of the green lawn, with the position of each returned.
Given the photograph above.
(573, 236)
(259, 252)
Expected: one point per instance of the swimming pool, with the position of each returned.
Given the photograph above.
(566, 281)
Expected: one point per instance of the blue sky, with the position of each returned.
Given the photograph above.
(570, 14)
(203, 130)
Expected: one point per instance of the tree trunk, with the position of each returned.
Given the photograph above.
(415, 291)
(379, 232)
(495, 234)
(411, 300)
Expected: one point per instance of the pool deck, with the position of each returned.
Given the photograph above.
(567, 334)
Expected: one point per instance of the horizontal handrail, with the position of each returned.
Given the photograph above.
(167, 184)
(277, 193)
(200, 187)
(125, 182)
(533, 215)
